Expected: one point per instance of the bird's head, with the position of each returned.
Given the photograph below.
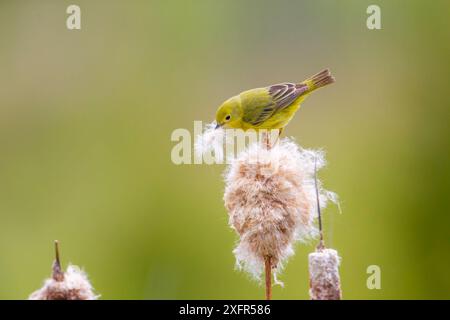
(229, 114)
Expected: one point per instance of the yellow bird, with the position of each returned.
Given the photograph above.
(271, 107)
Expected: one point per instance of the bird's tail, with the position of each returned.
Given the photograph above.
(319, 80)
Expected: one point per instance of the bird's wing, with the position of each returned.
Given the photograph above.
(261, 104)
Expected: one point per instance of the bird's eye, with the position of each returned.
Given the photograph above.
(228, 117)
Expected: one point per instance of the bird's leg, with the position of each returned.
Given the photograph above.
(280, 131)
(266, 140)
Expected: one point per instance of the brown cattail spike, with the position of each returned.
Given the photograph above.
(58, 274)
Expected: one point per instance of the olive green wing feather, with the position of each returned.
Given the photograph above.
(261, 104)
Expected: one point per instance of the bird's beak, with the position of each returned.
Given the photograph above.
(218, 126)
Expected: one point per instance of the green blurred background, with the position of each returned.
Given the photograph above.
(86, 118)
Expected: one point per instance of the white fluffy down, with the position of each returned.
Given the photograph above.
(211, 141)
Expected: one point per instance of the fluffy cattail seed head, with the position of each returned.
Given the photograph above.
(271, 201)
(70, 285)
(324, 280)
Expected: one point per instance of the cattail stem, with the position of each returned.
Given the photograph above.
(268, 269)
(319, 214)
